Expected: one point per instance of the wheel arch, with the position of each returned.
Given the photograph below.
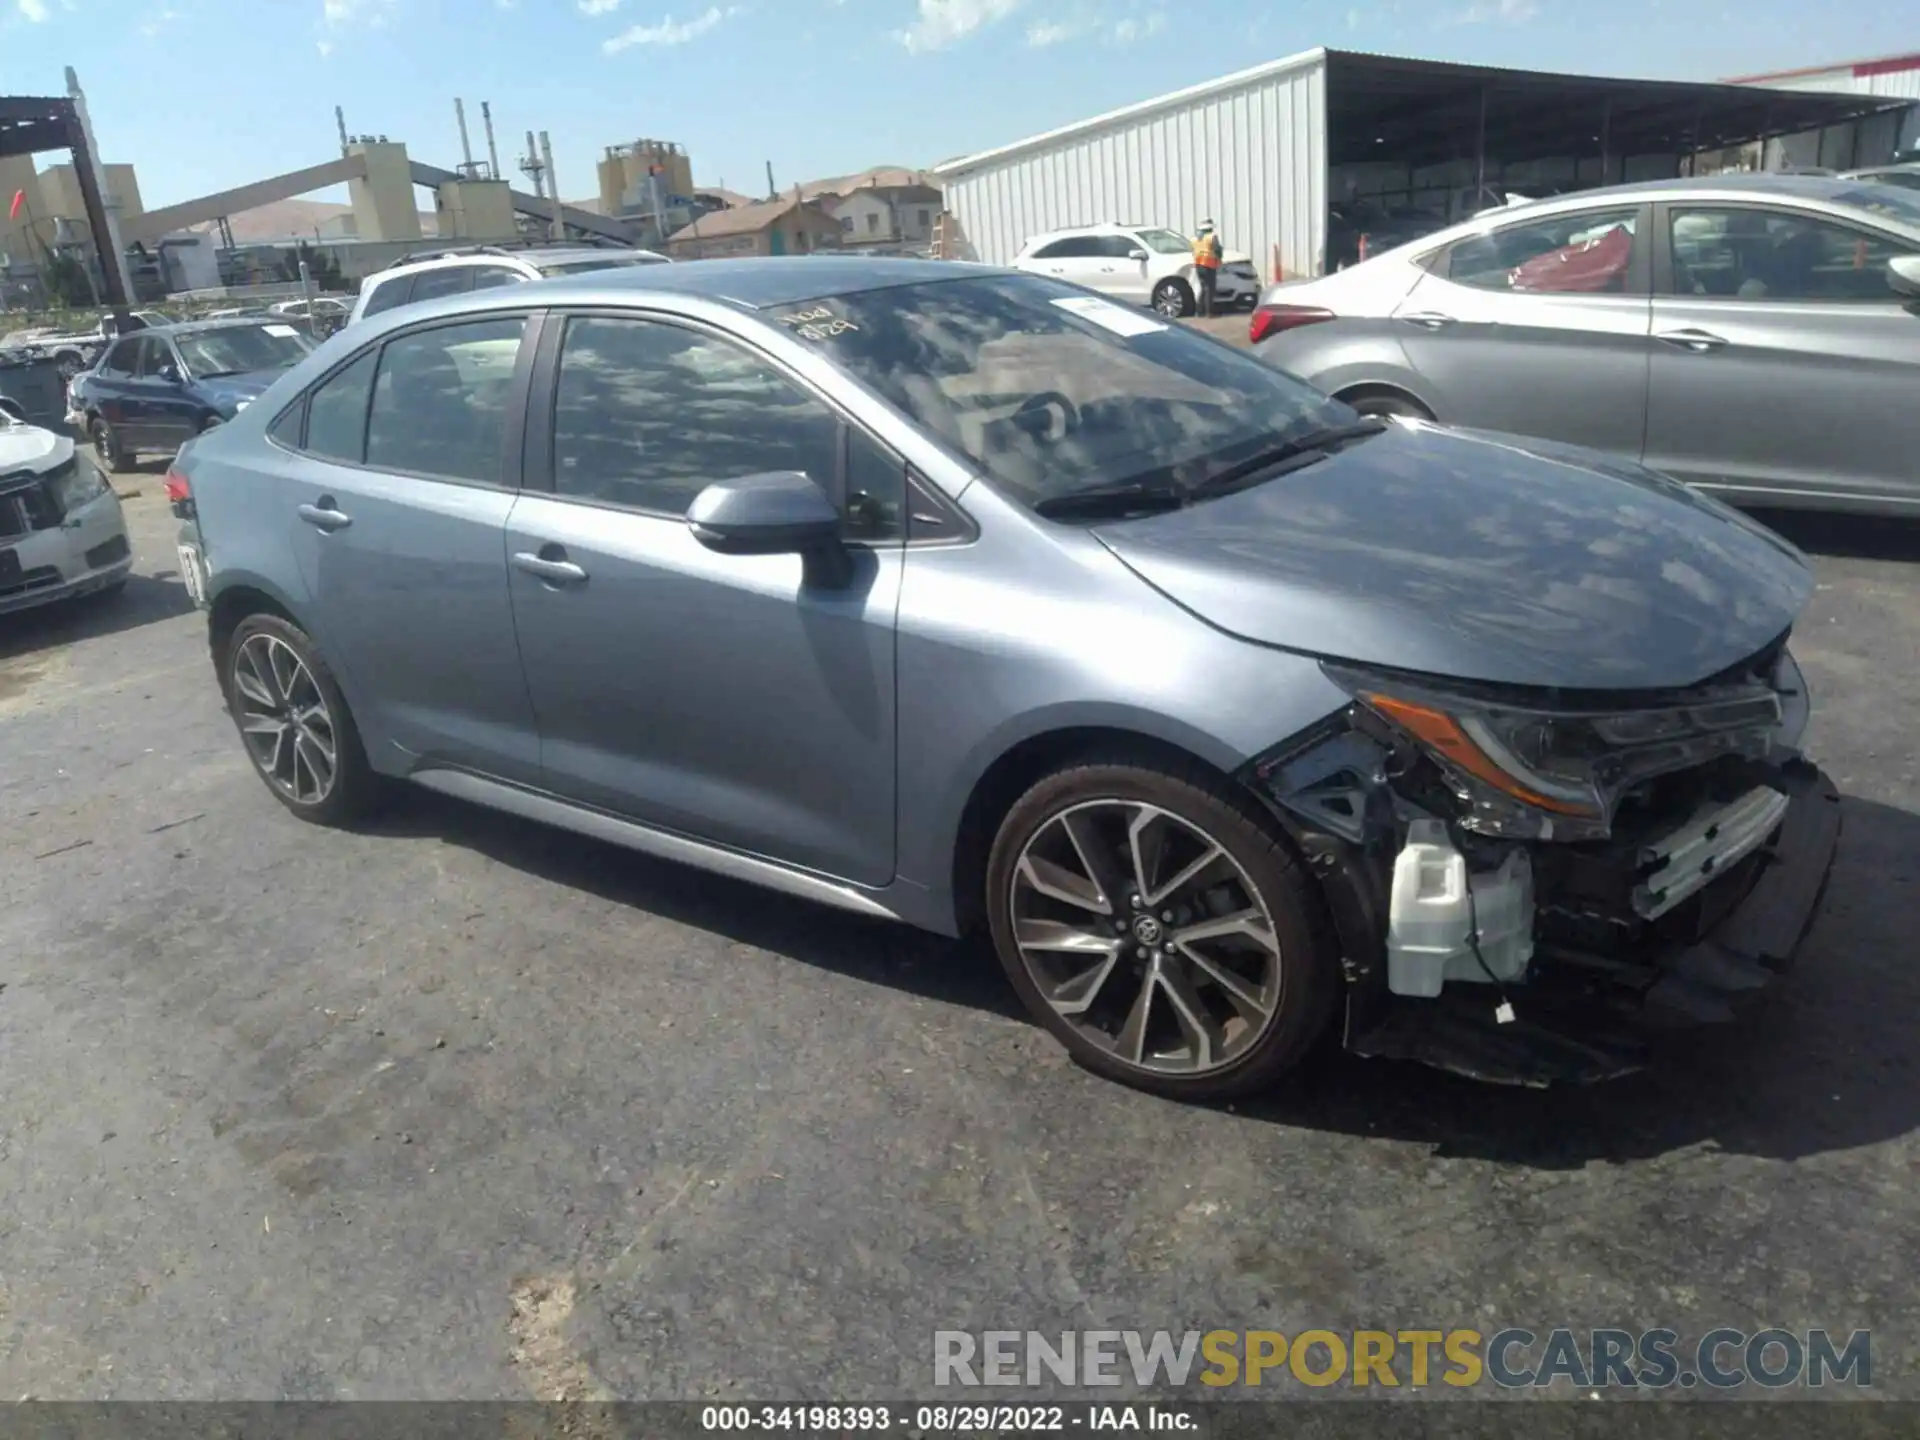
(1385, 390)
(1019, 762)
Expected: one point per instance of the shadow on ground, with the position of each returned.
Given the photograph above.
(144, 600)
(1826, 1062)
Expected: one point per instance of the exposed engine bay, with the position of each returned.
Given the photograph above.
(1527, 885)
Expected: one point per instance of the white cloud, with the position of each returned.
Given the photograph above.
(325, 47)
(1050, 32)
(32, 10)
(941, 22)
(1130, 29)
(1496, 12)
(599, 7)
(669, 31)
(339, 14)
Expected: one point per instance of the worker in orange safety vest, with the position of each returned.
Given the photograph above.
(1206, 265)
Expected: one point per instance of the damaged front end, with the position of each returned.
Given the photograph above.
(1526, 885)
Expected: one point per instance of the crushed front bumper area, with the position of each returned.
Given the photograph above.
(1584, 1016)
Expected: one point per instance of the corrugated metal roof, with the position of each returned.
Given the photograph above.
(1140, 110)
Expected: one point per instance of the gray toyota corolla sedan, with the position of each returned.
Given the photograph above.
(969, 599)
(1754, 335)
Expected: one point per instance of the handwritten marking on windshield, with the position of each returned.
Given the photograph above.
(818, 323)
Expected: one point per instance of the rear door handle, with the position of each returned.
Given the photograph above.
(1698, 341)
(551, 565)
(1428, 319)
(325, 515)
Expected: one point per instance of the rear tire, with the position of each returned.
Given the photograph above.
(1160, 928)
(1173, 299)
(294, 723)
(108, 453)
(1384, 405)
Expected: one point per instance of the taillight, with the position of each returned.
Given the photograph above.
(1272, 319)
(177, 488)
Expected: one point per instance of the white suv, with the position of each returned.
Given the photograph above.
(1140, 264)
(477, 267)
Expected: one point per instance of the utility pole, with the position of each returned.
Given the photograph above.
(773, 191)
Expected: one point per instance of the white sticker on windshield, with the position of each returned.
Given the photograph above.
(283, 331)
(1108, 316)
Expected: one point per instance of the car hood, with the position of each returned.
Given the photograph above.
(1479, 557)
(232, 388)
(28, 448)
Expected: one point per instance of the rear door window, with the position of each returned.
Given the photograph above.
(440, 400)
(1587, 253)
(337, 413)
(123, 359)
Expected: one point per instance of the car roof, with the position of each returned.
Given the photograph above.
(226, 322)
(763, 282)
(1756, 187)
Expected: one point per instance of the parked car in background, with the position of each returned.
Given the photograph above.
(435, 273)
(158, 389)
(1755, 335)
(61, 531)
(1906, 176)
(963, 597)
(1138, 265)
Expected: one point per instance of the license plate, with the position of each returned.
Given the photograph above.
(191, 574)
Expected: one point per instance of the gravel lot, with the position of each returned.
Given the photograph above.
(460, 1107)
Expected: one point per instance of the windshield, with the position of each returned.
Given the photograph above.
(600, 262)
(1881, 199)
(1166, 242)
(238, 349)
(1050, 390)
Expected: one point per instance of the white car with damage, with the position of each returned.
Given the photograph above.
(62, 534)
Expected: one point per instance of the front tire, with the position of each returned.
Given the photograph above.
(294, 722)
(1156, 924)
(1173, 299)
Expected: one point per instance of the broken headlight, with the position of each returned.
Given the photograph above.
(1530, 773)
(73, 484)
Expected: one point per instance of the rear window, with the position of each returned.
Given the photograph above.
(1884, 198)
(387, 294)
(600, 262)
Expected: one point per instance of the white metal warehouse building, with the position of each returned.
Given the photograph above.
(1265, 152)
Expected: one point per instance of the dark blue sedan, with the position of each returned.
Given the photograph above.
(157, 389)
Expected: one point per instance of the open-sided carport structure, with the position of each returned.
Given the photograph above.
(32, 124)
(1266, 151)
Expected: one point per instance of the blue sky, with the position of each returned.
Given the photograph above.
(203, 94)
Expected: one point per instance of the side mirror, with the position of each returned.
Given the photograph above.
(1138, 255)
(1903, 274)
(779, 513)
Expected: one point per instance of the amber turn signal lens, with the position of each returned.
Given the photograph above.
(1442, 733)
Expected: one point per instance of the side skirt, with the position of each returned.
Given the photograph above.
(662, 844)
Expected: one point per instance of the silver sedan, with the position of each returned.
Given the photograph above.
(1754, 335)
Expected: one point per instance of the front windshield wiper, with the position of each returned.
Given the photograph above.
(1290, 454)
(1130, 498)
(216, 374)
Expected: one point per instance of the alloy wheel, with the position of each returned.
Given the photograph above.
(1145, 935)
(1169, 303)
(102, 441)
(284, 719)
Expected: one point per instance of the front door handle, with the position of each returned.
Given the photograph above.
(551, 565)
(1428, 319)
(325, 514)
(1698, 341)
